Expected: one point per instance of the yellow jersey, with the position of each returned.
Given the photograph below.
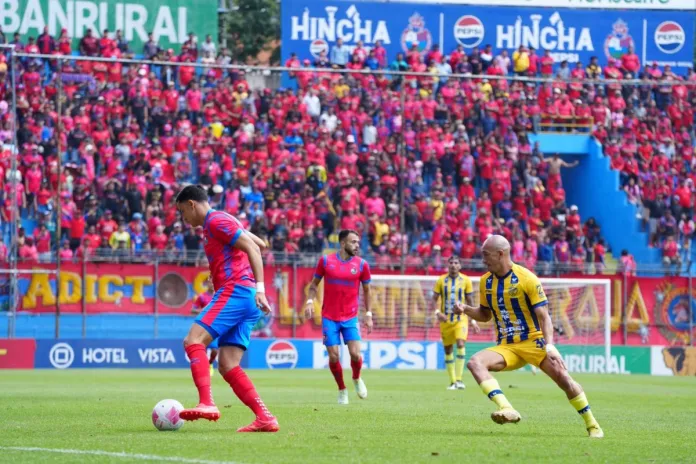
(513, 298)
(451, 291)
(521, 61)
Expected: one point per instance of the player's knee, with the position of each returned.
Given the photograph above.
(333, 357)
(225, 365)
(565, 381)
(194, 338)
(569, 384)
(474, 364)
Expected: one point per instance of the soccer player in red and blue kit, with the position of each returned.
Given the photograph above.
(343, 272)
(236, 267)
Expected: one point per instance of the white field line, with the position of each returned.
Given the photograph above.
(111, 454)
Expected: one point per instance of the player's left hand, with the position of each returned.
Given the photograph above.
(368, 324)
(262, 302)
(458, 308)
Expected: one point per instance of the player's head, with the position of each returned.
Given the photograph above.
(496, 254)
(350, 241)
(454, 265)
(192, 203)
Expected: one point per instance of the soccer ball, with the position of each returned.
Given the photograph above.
(165, 416)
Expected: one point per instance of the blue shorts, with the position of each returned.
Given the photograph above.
(214, 345)
(230, 316)
(333, 330)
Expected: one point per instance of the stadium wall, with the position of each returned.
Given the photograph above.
(595, 189)
(307, 354)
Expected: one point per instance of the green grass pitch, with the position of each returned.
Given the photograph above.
(408, 417)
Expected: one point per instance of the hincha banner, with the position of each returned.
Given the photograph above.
(312, 26)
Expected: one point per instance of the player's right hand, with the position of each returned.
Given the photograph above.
(262, 302)
(458, 308)
(309, 309)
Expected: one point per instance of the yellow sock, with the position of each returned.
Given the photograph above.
(491, 389)
(449, 364)
(583, 408)
(459, 363)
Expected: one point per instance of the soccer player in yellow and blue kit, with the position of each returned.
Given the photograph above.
(513, 296)
(452, 288)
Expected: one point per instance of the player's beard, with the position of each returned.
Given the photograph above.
(350, 252)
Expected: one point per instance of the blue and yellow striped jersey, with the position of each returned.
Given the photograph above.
(451, 291)
(512, 299)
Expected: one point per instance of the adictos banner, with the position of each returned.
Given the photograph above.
(311, 26)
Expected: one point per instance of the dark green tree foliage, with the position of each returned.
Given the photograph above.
(251, 27)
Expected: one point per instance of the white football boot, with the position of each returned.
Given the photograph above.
(360, 388)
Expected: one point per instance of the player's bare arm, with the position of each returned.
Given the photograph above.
(259, 243)
(247, 245)
(368, 312)
(311, 296)
(438, 314)
(472, 322)
(480, 314)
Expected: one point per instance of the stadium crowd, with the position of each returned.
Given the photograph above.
(297, 164)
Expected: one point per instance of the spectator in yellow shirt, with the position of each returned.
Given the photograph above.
(437, 205)
(341, 89)
(120, 235)
(593, 70)
(380, 230)
(520, 60)
(486, 89)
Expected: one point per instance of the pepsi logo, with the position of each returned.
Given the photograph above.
(317, 46)
(670, 37)
(469, 31)
(281, 354)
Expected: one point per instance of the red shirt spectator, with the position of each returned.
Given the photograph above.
(670, 249)
(547, 64)
(630, 62)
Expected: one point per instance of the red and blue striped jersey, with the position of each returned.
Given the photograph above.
(228, 265)
(342, 281)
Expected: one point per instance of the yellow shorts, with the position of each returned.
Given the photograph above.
(453, 331)
(519, 354)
